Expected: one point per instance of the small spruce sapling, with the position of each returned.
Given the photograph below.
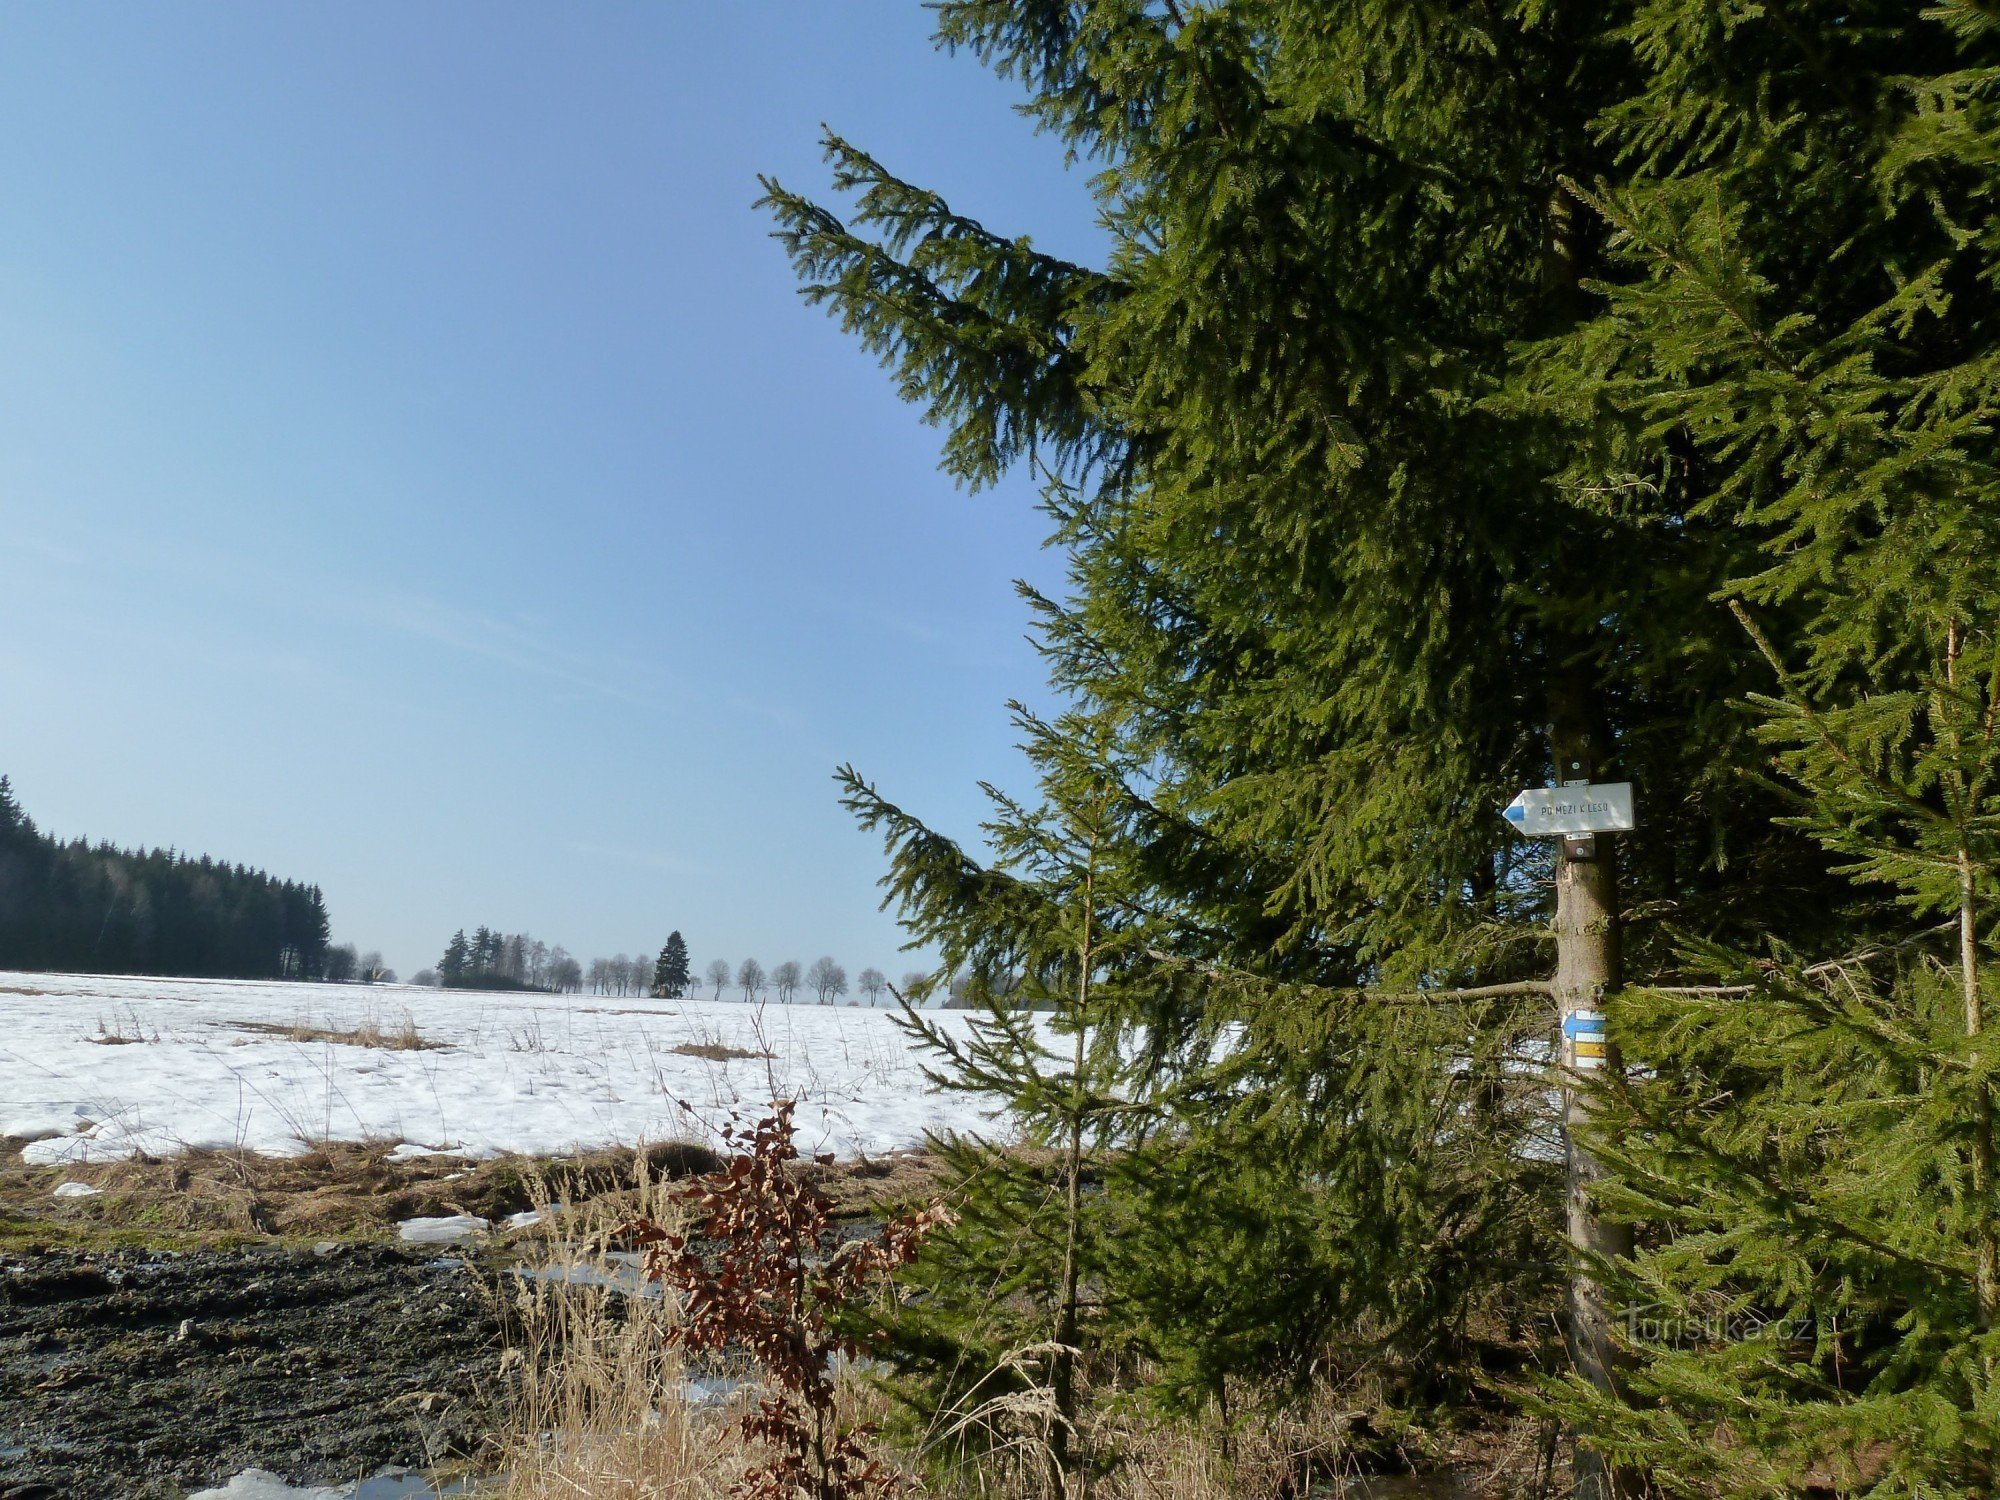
(1014, 1295)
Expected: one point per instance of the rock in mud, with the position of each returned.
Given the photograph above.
(151, 1375)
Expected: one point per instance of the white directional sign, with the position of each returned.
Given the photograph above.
(1549, 811)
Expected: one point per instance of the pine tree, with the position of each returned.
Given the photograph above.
(670, 972)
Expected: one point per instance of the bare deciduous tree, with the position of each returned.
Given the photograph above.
(750, 978)
(565, 973)
(785, 979)
(827, 979)
(871, 982)
(718, 976)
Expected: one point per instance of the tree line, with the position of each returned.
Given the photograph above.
(491, 959)
(1473, 396)
(73, 905)
(825, 979)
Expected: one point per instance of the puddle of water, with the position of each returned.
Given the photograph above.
(625, 1272)
(448, 1230)
(390, 1484)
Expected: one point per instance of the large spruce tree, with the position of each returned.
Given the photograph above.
(1378, 449)
(670, 969)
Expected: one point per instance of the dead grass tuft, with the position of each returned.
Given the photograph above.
(597, 1402)
(716, 1051)
(400, 1037)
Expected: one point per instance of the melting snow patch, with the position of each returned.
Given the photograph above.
(76, 1190)
(261, 1484)
(443, 1231)
(411, 1151)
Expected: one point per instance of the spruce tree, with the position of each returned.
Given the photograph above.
(1809, 1146)
(1798, 337)
(1330, 580)
(456, 964)
(670, 971)
(98, 908)
(994, 1347)
(1450, 371)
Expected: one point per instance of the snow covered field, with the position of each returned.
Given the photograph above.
(97, 1067)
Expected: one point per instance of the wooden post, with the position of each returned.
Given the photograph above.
(1588, 968)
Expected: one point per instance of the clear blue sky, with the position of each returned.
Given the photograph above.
(418, 474)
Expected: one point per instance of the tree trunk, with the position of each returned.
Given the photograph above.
(1588, 968)
(1986, 1276)
(1063, 1373)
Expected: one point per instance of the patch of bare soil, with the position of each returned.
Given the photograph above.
(151, 1374)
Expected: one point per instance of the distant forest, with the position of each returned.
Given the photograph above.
(99, 909)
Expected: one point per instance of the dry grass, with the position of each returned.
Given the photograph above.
(351, 1190)
(121, 1031)
(596, 1399)
(1327, 1450)
(401, 1036)
(337, 1190)
(599, 1406)
(716, 1051)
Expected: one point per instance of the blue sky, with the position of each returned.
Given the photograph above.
(418, 474)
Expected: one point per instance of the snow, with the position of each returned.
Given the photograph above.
(76, 1190)
(96, 1068)
(261, 1484)
(443, 1231)
(411, 1151)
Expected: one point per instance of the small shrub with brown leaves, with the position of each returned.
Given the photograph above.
(769, 1282)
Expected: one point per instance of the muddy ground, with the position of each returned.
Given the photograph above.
(152, 1374)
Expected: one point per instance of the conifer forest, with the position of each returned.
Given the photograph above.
(99, 909)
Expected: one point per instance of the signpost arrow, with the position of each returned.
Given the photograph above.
(1554, 811)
